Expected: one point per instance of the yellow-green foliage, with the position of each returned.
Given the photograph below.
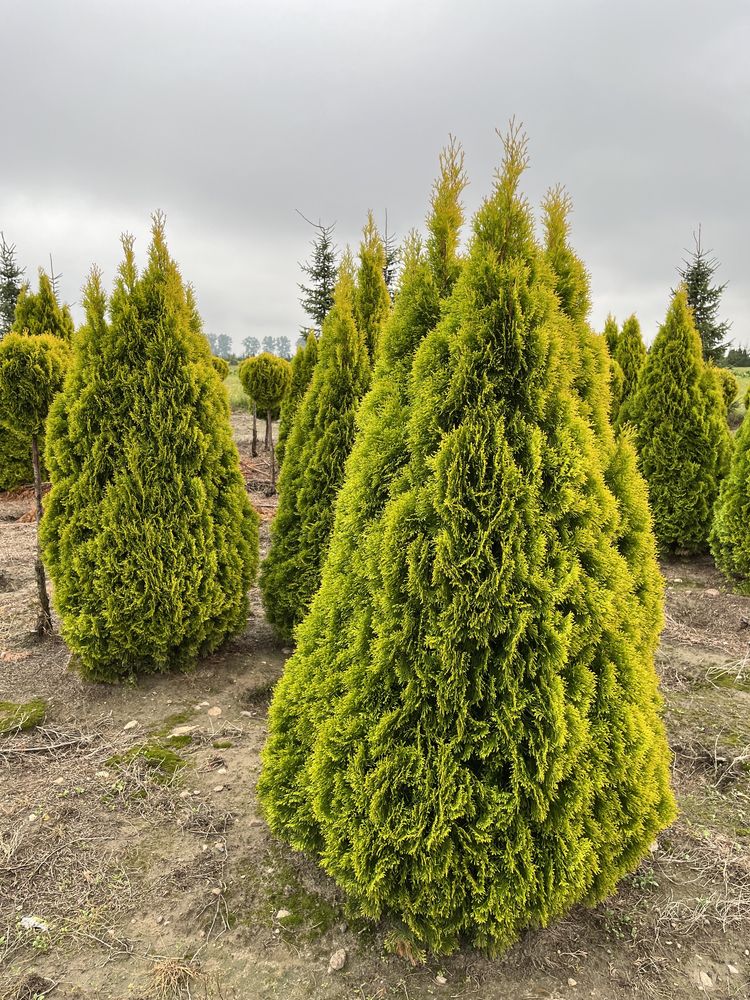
(15, 458)
(303, 365)
(266, 379)
(148, 532)
(730, 534)
(32, 371)
(40, 312)
(616, 386)
(727, 383)
(317, 448)
(221, 366)
(630, 355)
(682, 436)
(611, 334)
(372, 302)
(469, 732)
(15, 717)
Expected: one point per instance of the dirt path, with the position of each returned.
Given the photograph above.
(143, 860)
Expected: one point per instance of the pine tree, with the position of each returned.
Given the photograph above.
(704, 298)
(316, 450)
(148, 533)
(40, 312)
(372, 301)
(32, 370)
(730, 533)
(682, 436)
(10, 286)
(320, 270)
(630, 355)
(303, 365)
(480, 747)
(611, 334)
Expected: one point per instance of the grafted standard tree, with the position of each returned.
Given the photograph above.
(32, 371)
(266, 380)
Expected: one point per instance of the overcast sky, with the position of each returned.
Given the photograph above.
(231, 115)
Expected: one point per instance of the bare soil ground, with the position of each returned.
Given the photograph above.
(132, 874)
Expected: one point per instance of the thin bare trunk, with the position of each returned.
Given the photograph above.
(267, 442)
(44, 621)
(255, 430)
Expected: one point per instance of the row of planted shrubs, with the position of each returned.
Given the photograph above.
(468, 736)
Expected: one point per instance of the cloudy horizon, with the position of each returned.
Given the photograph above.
(230, 118)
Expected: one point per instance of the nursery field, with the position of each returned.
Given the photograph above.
(134, 862)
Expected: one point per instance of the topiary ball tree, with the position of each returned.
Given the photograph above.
(221, 366)
(303, 365)
(148, 533)
(682, 437)
(266, 380)
(32, 372)
(317, 448)
(483, 748)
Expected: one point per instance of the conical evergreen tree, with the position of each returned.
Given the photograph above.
(730, 533)
(492, 751)
(303, 365)
(340, 623)
(630, 355)
(704, 298)
(149, 536)
(317, 448)
(10, 288)
(372, 302)
(40, 312)
(611, 334)
(682, 436)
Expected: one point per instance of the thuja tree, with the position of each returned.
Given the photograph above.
(630, 355)
(730, 533)
(611, 333)
(492, 752)
(340, 622)
(266, 380)
(148, 533)
(40, 312)
(372, 301)
(32, 371)
(221, 367)
(303, 365)
(317, 448)
(681, 433)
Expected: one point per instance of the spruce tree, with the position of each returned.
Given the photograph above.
(611, 334)
(682, 436)
(704, 298)
(40, 312)
(32, 370)
(320, 271)
(372, 301)
(481, 747)
(317, 448)
(630, 355)
(148, 533)
(10, 286)
(303, 365)
(730, 532)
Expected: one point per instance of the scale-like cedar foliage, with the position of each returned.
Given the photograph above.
(265, 378)
(730, 534)
(40, 312)
(616, 387)
(340, 626)
(221, 367)
(611, 333)
(630, 355)
(317, 448)
(727, 384)
(15, 458)
(371, 300)
(149, 536)
(481, 747)
(682, 436)
(303, 365)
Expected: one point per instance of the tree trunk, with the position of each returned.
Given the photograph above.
(267, 443)
(255, 430)
(44, 621)
(273, 453)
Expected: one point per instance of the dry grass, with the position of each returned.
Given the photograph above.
(174, 979)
